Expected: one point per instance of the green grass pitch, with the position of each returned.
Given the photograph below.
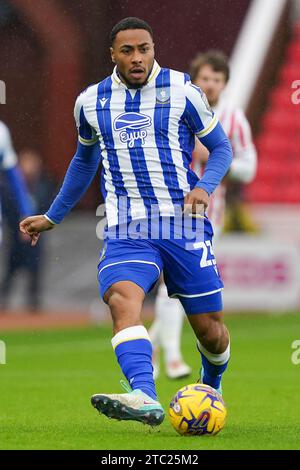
(46, 385)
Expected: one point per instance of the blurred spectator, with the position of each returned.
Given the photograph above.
(210, 71)
(13, 176)
(20, 254)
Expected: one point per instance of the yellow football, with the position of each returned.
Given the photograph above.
(197, 409)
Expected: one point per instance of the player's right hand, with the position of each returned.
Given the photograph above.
(34, 225)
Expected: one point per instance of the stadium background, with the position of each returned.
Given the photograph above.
(51, 50)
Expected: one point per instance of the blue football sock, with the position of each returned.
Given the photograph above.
(214, 365)
(133, 349)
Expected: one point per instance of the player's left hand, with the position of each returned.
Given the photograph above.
(196, 201)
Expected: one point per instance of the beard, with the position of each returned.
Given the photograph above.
(130, 84)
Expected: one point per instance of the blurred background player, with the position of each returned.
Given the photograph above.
(10, 170)
(210, 72)
(20, 255)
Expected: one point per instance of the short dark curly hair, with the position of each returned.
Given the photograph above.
(129, 23)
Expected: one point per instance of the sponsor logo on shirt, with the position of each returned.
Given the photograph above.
(132, 127)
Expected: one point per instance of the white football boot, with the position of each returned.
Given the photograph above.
(134, 405)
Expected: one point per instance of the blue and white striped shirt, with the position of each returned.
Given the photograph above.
(146, 139)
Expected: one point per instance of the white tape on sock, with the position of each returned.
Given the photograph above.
(217, 359)
(130, 334)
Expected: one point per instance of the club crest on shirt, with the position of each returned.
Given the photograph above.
(132, 127)
(162, 95)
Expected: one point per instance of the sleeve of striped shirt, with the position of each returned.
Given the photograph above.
(82, 168)
(205, 125)
(198, 113)
(79, 176)
(86, 133)
(243, 167)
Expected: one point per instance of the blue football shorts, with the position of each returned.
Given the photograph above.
(189, 268)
